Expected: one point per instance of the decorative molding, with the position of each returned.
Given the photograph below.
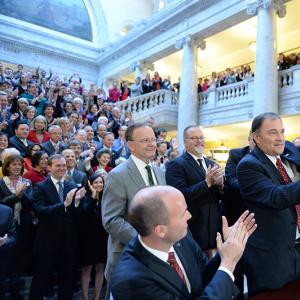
(278, 5)
(141, 65)
(187, 40)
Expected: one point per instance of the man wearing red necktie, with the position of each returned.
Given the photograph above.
(270, 185)
(164, 262)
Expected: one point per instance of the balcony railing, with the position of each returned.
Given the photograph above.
(227, 104)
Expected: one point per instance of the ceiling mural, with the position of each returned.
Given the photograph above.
(65, 16)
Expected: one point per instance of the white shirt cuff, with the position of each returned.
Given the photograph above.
(227, 271)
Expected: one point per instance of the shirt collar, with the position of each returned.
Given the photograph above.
(139, 163)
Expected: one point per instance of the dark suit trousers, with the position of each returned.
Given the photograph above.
(3, 260)
(45, 265)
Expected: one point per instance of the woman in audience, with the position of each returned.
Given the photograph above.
(147, 84)
(49, 115)
(125, 90)
(39, 170)
(29, 114)
(15, 192)
(30, 150)
(213, 81)
(248, 72)
(22, 85)
(127, 120)
(93, 237)
(39, 133)
(103, 157)
(136, 87)
(92, 115)
(65, 125)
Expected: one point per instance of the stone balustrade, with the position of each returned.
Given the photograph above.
(227, 104)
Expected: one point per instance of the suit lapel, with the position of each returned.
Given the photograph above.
(52, 191)
(134, 174)
(191, 161)
(168, 275)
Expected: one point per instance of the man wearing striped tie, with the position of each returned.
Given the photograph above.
(270, 185)
(164, 262)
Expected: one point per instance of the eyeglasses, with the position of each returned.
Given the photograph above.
(146, 141)
(196, 138)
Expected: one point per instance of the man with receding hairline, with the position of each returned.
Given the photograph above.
(164, 262)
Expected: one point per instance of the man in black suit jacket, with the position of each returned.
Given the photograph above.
(270, 186)
(73, 174)
(201, 182)
(55, 144)
(55, 202)
(233, 204)
(19, 140)
(163, 262)
(7, 240)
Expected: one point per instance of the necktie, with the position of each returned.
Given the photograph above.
(286, 178)
(174, 264)
(60, 190)
(150, 177)
(201, 166)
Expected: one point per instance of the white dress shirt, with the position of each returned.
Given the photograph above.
(141, 167)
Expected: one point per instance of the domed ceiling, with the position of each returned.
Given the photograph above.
(66, 16)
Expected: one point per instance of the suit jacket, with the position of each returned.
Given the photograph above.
(79, 177)
(48, 147)
(18, 144)
(122, 183)
(7, 226)
(142, 276)
(117, 147)
(233, 205)
(185, 174)
(56, 227)
(270, 257)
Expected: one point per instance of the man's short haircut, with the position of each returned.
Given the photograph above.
(2, 93)
(160, 143)
(131, 128)
(21, 122)
(53, 127)
(53, 157)
(258, 120)
(107, 134)
(151, 211)
(186, 129)
(160, 130)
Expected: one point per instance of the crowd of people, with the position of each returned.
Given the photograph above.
(78, 178)
(45, 120)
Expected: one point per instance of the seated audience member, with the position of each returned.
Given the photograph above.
(19, 140)
(38, 133)
(55, 144)
(30, 150)
(269, 183)
(164, 262)
(93, 237)
(15, 192)
(72, 173)
(3, 144)
(7, 241)
(39, 169)
(103, 157)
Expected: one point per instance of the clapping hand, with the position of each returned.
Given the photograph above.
(21, 187)
(3, 240)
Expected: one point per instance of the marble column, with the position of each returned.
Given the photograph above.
(266, 74)
(188, 97)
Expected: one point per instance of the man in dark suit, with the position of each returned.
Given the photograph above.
(270, 185)
(164, 262)
(7, 240)
(73, 174)
(55, 144)
(201, 182)
(233, 204)
(19, 140)
(55, 201)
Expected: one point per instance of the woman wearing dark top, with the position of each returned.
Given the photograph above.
(15, 192)
(93, 237)
(39, 170)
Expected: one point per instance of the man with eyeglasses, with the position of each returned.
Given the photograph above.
(270, 186)
(122, 184)
(201, 182)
